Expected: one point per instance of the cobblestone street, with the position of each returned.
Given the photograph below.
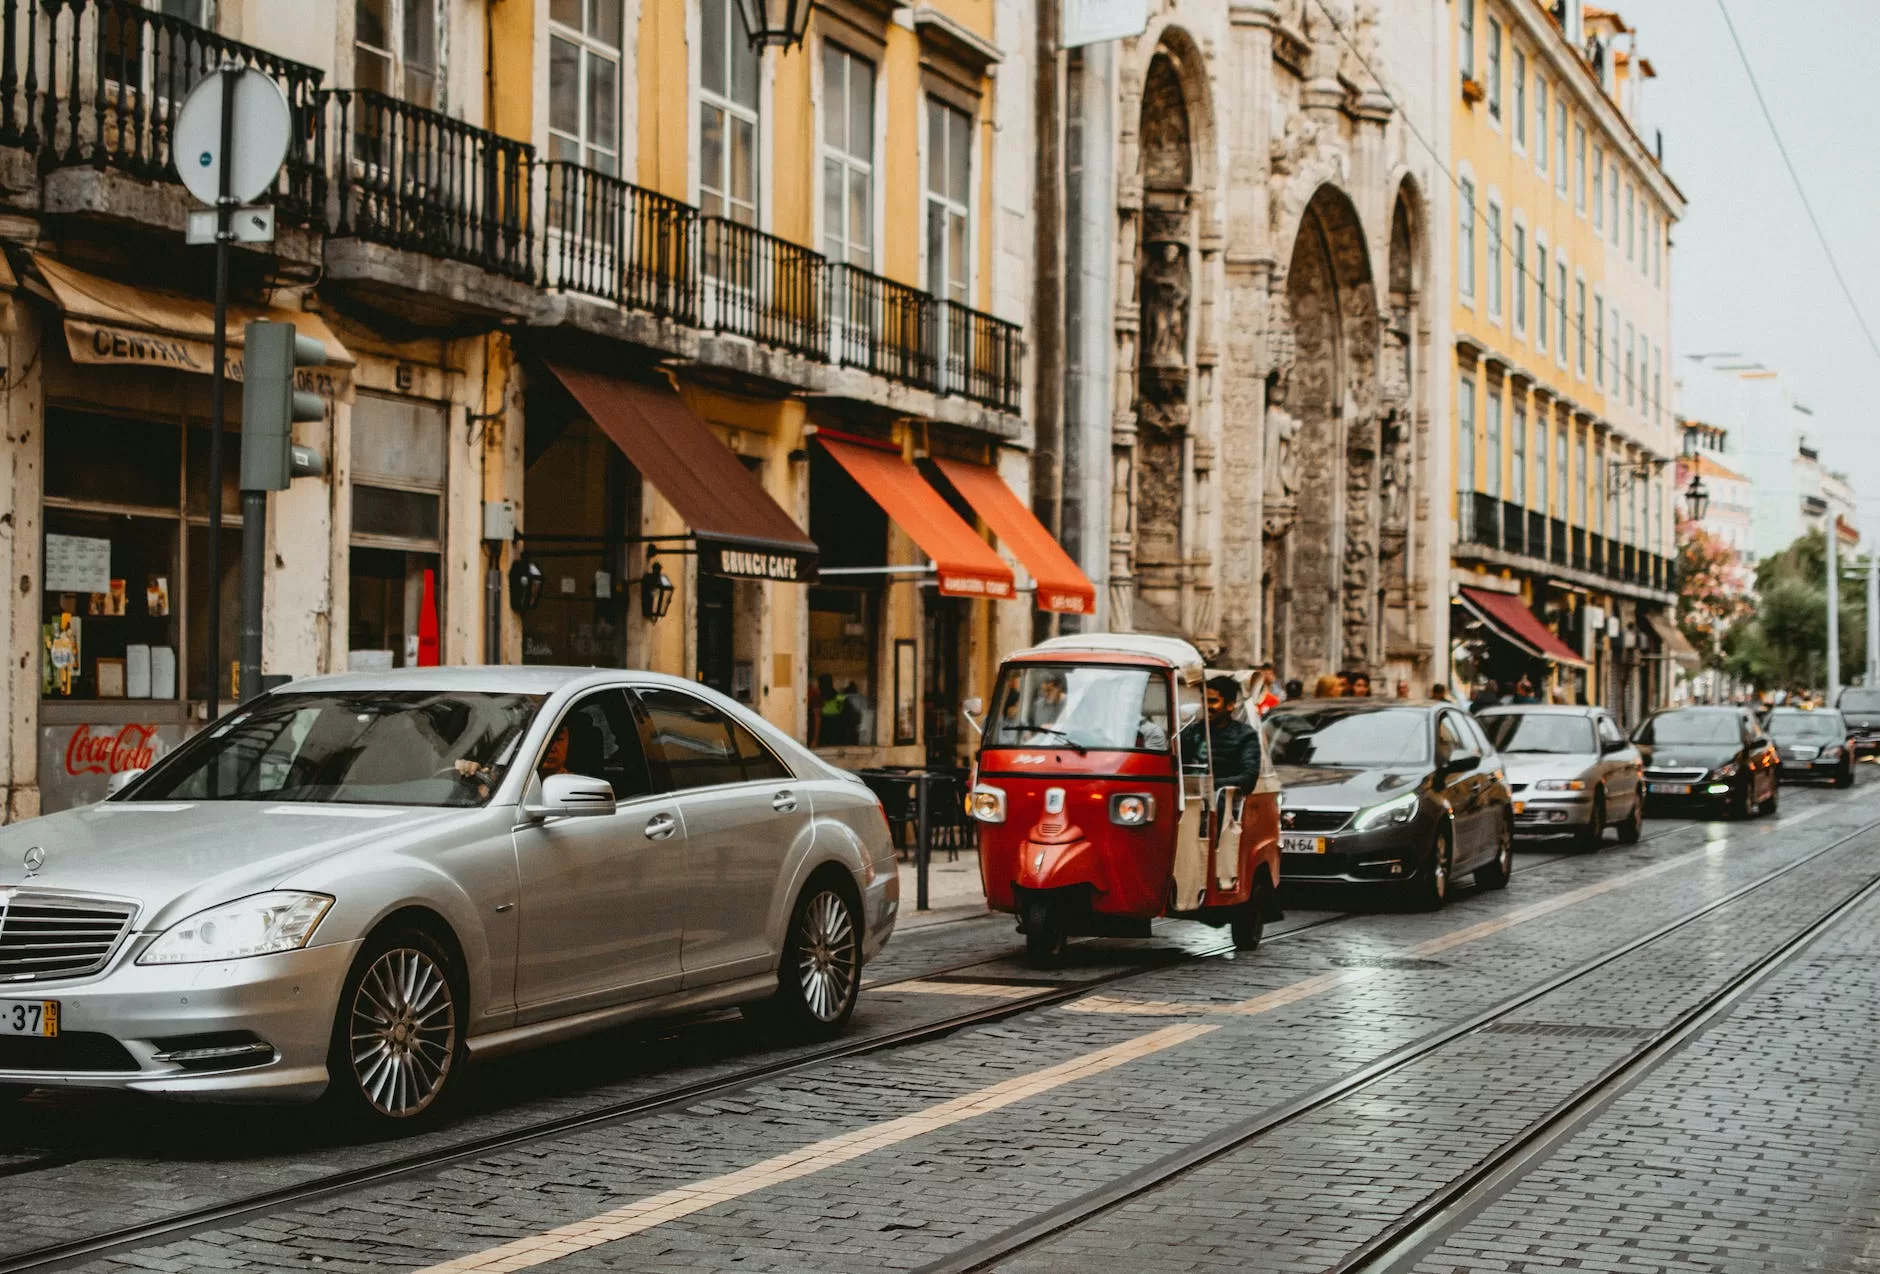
(1644, 1058)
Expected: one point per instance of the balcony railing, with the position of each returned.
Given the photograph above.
(100, 83)
(763, 288)
(1557, 541)
(980, 356)
(1579, 548)
(1513, 528)
(882, 326)
(1596, 554)
(1537, 534)
(416, 179)
(1480, 516)
(1628, 570)
(605, 237)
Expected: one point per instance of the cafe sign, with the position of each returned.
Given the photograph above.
(748, 561)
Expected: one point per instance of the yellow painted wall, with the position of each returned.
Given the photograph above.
(512, 69)
(902, 176)
(665, 108)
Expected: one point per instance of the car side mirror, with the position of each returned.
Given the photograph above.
(568, 796)
(119, 781)
(972, 709)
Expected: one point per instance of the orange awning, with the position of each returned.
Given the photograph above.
(1509, 616)
(1060, 585)
(966, 564)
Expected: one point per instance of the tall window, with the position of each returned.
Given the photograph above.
(1465, 435)
(395, 49)
(1540, 297)
(1615, 352)
(1599, 341)
(1612, 195)
(1628, 221)
(1560, 146)
(1658, 253)
(1494, 260)
(1517, 454)
(584, 83)
(1520, 279)
(1540, 122)
(1493, 485)
(1579, 313)
(1560, 309)
(1465, 240)
(1494, 68)
(1630, 370)
(1599, 188)
(1465, 38)
(1579, 168)
(1658, 517)
(1579, 488)
(1518, 116)
(848, 157)
(727, 114)
(1658, 384)
(949, 178)
(1541, 485)
(1560, 471)
(1644, 370)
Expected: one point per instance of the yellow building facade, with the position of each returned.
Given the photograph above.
(1563, 425)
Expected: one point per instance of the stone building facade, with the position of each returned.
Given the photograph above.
(1267, 449)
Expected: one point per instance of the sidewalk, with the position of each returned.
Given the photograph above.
(953, 890)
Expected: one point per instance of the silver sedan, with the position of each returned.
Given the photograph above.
(356, 884)
(1571, 769)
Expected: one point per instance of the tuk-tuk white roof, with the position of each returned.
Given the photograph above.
(1175, 652)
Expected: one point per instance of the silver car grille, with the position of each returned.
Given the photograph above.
(1675, 776)
(1800, 752)
(47, 935)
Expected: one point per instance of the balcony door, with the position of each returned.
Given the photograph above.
(396, 50)
(949, 229)
(735, 280)
(848, 197)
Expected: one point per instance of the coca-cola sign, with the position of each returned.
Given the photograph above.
(109, 750)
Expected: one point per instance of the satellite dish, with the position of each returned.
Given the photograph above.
(262, 126)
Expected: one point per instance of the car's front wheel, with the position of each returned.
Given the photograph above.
(820, 975)
(1846, 777)
(1431, 889)
(398, 1036)
(1496, 874)
(1595, 830)
(1633, 827)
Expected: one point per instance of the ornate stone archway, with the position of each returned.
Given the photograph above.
(1326, 431)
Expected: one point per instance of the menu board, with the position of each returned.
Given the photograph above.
(77, 564)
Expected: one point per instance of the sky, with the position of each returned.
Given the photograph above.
(1750, 275)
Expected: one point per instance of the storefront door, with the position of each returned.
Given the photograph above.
(940, 679)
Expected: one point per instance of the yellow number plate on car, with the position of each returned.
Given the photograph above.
(1302, 844)
(29, 1017)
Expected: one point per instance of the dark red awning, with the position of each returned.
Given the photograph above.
(1509, 616)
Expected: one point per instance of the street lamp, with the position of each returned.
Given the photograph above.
(1696, 498)
(778, 22)
(655, 593)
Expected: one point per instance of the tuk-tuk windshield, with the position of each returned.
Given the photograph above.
(1082, 706)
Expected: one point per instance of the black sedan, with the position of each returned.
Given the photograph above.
(1708, 758)
(1383, 791)
(1861, 706)
(1813, 745)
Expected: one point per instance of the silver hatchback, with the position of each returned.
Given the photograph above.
(1571, 769)
(355, 884)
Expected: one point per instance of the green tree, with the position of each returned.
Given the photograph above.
(1784, 644)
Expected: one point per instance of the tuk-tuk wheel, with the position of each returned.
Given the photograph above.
(1044, 931)
(1249, 923)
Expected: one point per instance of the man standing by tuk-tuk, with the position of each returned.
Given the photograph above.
(1227, 744)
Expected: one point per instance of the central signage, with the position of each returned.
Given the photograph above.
(746, 562)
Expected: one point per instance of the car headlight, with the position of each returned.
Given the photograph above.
(1724, 771)
(1560, 785)
(260, 924)
(1400, 810)
(988, 804)
(1132, 809)
(1830, 752)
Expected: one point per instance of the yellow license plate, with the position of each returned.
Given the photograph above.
(1302, 844)
(29, 1017)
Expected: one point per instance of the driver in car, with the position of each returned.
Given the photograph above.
(1228, 745)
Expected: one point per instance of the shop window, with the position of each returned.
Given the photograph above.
(101, 460)
(97, 642)
(730, 619)
(584, 83)
(396, 580)
(845, 607)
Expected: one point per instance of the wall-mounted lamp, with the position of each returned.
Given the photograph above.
(655, 593)
(525, 585)
(1696, 499)
(778, 22)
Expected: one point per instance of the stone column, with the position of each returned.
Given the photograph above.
(23, 414)
(1128, 325)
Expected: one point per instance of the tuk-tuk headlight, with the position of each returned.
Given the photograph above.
(1401, 810)
(1132, 809)
(988, 804)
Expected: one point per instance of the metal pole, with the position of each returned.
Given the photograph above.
(1873, 615)
(922, 830)
(254, 565)
(1834, 608)
(493, 607)
(224, 211)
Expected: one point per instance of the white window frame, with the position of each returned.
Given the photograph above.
(590, 47)
(1599, 188)
(1563, 475)
(1560, 145)
(845, 160)
(1492, 442)
(1541, 257)
(753, 114)
(1517, 452)
(1579, 298)
(1560, 309)
(1465, 434)
(951, 206)
(1494, 297)
(1465, 38)
(1519, 256)
(1518, 108)
(1540, 122)
(397, 56)
(1494, 71)
(1631, 354)
(1599, 340)
(1465, 241)
(1579, 169)
(1543, 470)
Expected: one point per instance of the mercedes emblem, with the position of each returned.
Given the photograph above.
(35, 859)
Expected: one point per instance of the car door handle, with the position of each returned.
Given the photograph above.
(660, 827)
(783, 802)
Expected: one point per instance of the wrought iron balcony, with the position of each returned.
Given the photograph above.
(1513, 528)
(1596, 554)
(1537, 534)
(100, 83)
(882, 326)
(608, 238)
(1579, 548)
(416, 179)
(980, 356)
(766, 289)
(1557, 541)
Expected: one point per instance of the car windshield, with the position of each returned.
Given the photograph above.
(1691, 727)
(1082, 705)
(1860, 699)
(1823, 727)
(1357, 738)
(1540, 732)
(369, 747)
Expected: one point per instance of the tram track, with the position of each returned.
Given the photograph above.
(261, 1203)
(1424, 1227)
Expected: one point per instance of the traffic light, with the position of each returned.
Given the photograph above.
(270, 406)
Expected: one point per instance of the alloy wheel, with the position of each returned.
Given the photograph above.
(826, 956)
(403, 1032)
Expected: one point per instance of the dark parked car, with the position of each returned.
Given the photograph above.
(1571, 769)
(1860, 705)
(1813, 745)
(1708, 758)
(1411, 794)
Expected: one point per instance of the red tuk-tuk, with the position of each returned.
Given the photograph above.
(1096, 800)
